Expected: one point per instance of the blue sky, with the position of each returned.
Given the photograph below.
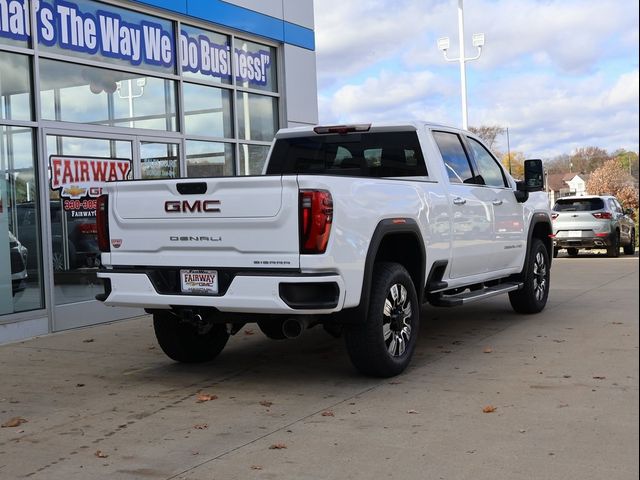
(560, 74)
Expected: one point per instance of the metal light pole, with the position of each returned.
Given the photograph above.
(478, 41)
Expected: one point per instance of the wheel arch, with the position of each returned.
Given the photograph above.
(541, 229)
(396, 240)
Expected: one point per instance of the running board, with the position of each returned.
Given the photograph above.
(474, 295)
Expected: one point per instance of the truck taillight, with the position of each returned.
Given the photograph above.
(602, 215)
(102, 223)
(316, 216)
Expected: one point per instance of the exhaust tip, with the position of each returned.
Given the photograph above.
(292, 328)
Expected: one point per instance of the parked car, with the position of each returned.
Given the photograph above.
(592, 222)
(18, 256)
(81, 242)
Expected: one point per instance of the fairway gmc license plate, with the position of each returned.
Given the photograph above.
(199, 281)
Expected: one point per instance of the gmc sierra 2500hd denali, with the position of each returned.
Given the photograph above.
(353, 227)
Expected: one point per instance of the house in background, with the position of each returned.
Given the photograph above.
(565, 184)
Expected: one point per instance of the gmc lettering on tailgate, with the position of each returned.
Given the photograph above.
(197, 206)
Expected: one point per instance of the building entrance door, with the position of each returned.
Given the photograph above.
(78, 166)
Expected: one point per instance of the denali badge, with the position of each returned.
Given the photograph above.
(193, 238)
(197, 206)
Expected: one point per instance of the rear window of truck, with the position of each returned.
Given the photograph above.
(579, 205)
(375, 154)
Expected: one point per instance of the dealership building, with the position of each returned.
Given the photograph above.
(95, 91)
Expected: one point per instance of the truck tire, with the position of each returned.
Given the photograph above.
(382, 344)
(630, 248)
(182, 341)
(614, 250)
(532, 297)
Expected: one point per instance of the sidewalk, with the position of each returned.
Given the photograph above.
(105, 403)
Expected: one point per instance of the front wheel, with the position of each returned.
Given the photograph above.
(383, 343)
(186, 343)
(532, 297)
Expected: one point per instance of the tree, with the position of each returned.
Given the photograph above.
(628, 197)
(559, 164)
(612, 179)
(517, 164)
(488, 134)
(588, 159)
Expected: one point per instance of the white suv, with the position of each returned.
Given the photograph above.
(592, 222)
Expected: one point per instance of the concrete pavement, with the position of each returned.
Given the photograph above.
(105, 403)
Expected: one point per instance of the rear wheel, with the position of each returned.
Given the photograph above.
(614, 250)
(572, 252)
(184, 342)
(630, 249)
(532, 298)
(382, 344)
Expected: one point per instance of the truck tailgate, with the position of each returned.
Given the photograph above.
(235, 222)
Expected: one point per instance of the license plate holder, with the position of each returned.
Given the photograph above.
(204, 282)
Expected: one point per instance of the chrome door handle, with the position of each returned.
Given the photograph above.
(459, 201)
(497, 202)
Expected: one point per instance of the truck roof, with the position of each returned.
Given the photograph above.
(376, 126)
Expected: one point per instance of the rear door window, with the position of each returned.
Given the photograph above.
(454, 156)
(579, 205)
(373, 154)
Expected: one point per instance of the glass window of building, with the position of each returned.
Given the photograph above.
(207, 111)
(159, 160)
(209, 159)
(205, 55)
(78, 93)
(14, 23)
(98, 31)
(255, 66)
(257, 116)
(252, 158)
(15, 87)
(20, 244)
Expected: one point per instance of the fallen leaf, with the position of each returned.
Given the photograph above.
(488, 350)
(522, 431)
(79, 384)
(14, 422)
(617, 323)
(599, 377)
(249, 332)
(277, 446)
(446, 351)
(256, 467)
(395, 382)
(266, 403)
(201, 426)
(412, 411)
(489, 409)
(88, 340)
(328, 413)
(100, 454)
(205, 397)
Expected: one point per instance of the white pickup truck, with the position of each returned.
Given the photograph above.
(353, 227)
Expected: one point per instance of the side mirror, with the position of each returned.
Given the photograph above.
(533, 175)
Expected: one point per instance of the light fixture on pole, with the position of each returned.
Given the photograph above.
(478, 42)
